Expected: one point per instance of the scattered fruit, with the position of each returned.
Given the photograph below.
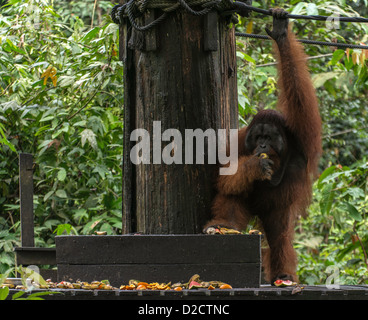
(194, 283)
(221, 230)
(284, 283)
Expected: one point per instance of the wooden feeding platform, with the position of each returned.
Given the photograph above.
(264, 292)
(234, 259)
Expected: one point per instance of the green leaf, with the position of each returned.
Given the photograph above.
(320, 78)
(61, 228)
(324, 174)
(36, 295)
(48, 195)
(6, 274)
(80, 123)
(18, 294)
(312, 9)
(65, 81)
(4, 140)
(61, 194)
(101, 170)
(346, 250)
(298, 8)
(328, 197)
(4, 292)
(337, 56)
(90, 34)
(89, 135)
(41, 130)
(353, 211)
(61, 174)
(79, 214)
(51, 223)
(244, 56)
(48, 118)
(355, 192)
(13, 47)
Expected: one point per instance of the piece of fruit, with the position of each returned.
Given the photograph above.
(141, 287)
(255, 232)
(142, 284)
(226, 286)
(130, 287)
(284, 283)
(278, 283)
(194, 285)
(229, 231)
(264, 156)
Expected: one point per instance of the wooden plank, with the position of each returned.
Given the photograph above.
(26, 199)
(156, 249)
(128, 200)
(236, 274)
(233, 297)
(37, 256)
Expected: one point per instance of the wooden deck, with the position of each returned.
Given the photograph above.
(265, 292)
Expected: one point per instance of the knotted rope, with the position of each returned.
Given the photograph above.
(134, 8)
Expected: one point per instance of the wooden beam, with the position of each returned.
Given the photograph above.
(26, 199)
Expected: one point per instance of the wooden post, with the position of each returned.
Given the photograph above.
(26, 199)
(185, 78)
(27, 254)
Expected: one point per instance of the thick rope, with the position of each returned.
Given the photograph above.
(318, 43)
(130, 13)
(171, 5)
(221, 5)
(134, 8)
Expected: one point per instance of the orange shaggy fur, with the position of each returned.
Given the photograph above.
(248, 193)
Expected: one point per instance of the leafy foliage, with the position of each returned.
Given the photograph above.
(60, 100)
(26, 274)
(336, 229)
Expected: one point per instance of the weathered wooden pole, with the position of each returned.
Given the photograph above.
(180, 74)
(26, 199)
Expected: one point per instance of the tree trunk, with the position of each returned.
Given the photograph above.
(183, 74)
